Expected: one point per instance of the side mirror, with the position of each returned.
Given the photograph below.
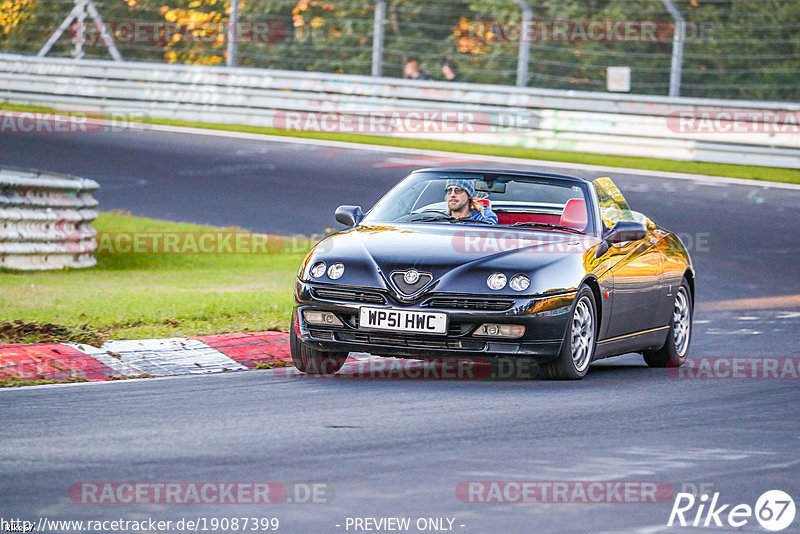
(623, 231)
(349, 215)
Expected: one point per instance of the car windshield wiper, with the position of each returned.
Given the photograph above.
(438, 218)
(468, 220)
(546, 225)
(448, 218)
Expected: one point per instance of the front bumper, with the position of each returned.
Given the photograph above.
(545, 320)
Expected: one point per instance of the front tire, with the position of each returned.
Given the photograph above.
(312, 361)
(578, 347)
(676, 348)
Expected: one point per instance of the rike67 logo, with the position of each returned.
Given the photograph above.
(774, 511)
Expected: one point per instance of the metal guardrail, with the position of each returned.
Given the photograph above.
(613, 124)
(46, 220)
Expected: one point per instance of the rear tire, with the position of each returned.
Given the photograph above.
(312, 361)
(676, 348)
(578, 347)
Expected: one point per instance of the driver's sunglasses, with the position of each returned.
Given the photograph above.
(454, 189)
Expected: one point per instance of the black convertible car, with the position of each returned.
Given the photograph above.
(565, 274)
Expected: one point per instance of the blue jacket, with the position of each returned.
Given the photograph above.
(486, 214)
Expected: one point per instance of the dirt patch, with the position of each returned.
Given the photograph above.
(35, 332)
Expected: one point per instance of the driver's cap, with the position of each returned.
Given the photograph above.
(466, 185)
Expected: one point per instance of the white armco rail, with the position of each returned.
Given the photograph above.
(726, 131)
(46, 220)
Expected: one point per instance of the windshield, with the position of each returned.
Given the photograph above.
(613, 206)
(519, 201)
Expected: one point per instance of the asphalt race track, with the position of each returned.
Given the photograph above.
(401, 448)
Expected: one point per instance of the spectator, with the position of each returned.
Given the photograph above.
(450, 70)
(413, 72)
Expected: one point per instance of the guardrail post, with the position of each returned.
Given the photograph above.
(233, 20)
(677, 48)
(377, 37)
(81, 20)
(524, 42)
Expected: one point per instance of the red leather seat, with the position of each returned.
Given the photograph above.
(574, 214)
(511, 218)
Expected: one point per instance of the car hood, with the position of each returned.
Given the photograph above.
(459, 257)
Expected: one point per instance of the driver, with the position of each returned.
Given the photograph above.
(461, 203)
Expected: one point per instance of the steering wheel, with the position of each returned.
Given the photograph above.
(419, 215)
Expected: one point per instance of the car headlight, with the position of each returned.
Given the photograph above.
(520, 282)
(336, 271)
(496, 281)
(317, 270)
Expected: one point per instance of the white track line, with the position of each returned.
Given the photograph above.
(497, 159)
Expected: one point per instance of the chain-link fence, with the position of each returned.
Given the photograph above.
(740, 49)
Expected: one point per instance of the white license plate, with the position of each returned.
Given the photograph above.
(403, 320)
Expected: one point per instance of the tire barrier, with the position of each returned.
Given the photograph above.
(46, 220)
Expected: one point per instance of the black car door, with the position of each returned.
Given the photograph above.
(635, 268)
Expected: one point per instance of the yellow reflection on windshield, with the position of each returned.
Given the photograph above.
(613, 206)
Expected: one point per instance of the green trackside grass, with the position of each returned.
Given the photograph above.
(752, 172)
(138, 296)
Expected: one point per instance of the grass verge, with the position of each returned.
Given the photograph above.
(16, 382)
(752, 172)
(138, 296)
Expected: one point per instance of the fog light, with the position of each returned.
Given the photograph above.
(496, 281)
(318, 269)
(321, 318)
(500, 330)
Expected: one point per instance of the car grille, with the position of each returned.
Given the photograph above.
(348, 295)
(409, 289)
(321, 334)
(408, 341)
(469, 304)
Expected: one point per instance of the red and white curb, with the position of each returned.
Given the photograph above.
(198, 355)
(154, 357)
